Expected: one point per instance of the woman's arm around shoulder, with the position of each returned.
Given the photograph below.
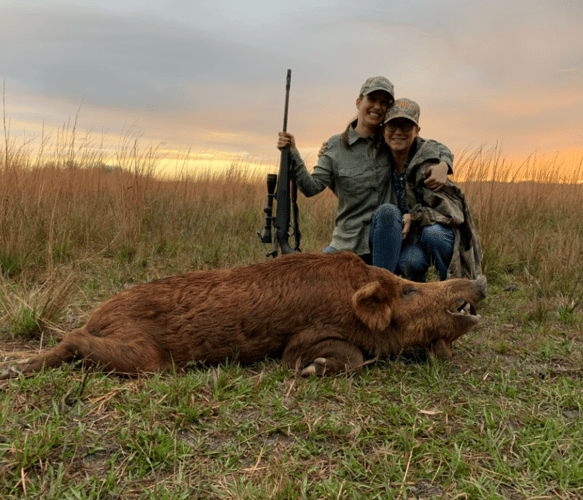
(437, 174)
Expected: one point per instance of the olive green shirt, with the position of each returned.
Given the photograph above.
(361, 179)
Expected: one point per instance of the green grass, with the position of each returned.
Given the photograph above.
(400, 430)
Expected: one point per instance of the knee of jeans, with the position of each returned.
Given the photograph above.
(412, 262)
(435, 235)
(387, 213)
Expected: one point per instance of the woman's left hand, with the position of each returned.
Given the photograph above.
(437, 176)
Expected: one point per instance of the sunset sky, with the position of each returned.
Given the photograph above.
(209, 76)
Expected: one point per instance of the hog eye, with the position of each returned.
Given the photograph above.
(409, 290)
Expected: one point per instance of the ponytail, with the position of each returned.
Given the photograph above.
(344, 136)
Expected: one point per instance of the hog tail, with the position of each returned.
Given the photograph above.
(65, 351)
(105, 353)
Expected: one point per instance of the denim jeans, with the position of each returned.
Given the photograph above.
(367, 258)
(412, 256)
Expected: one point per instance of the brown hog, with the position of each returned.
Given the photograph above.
(320, 313)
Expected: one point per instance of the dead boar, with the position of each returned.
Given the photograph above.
(321, 313)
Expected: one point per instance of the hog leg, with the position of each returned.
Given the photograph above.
(333, 356)
(442, 349)
(325, 357)
(128, 354)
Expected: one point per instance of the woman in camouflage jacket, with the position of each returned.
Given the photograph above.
(421, 227)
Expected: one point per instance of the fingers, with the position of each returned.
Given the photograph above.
(434, 186)
(284, 140)
(436, 176)
(406, 225)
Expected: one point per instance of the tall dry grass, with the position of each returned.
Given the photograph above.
(63, 208)
(72, 206)
(69, 205)
(530, 216)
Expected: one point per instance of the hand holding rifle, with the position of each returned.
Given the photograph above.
(286, 140)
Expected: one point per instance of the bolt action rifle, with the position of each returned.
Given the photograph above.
(285, 190)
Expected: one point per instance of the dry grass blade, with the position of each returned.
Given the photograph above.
(30, 311)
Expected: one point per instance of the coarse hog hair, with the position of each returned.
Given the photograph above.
(321, 313)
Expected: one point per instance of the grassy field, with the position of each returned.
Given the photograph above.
(500, 420)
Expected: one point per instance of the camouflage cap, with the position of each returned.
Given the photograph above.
(404, 108)
(377, 83)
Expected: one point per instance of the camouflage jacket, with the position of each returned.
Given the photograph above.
(447, 207)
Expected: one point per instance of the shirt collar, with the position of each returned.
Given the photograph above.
(354, 137)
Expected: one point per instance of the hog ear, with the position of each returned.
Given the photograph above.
(371, 305)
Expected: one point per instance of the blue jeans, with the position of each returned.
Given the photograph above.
(412, 256)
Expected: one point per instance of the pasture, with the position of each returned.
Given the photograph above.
(502, 419)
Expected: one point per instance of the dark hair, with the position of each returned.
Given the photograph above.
(378, 141)
(344, 136)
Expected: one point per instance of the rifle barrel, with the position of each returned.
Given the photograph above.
(287, 87)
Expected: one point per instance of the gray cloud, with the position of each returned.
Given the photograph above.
(119, 58)
(187, 68)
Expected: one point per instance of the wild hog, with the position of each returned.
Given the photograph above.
(321, 313)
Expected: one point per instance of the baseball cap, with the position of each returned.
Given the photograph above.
(377, 83)
(404, 108)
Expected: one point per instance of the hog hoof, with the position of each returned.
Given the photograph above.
(318, 367)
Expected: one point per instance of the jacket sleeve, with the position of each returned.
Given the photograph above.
(318, 180)
(443, 153)
(427, 206)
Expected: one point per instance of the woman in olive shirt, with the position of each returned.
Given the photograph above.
(358, 172)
